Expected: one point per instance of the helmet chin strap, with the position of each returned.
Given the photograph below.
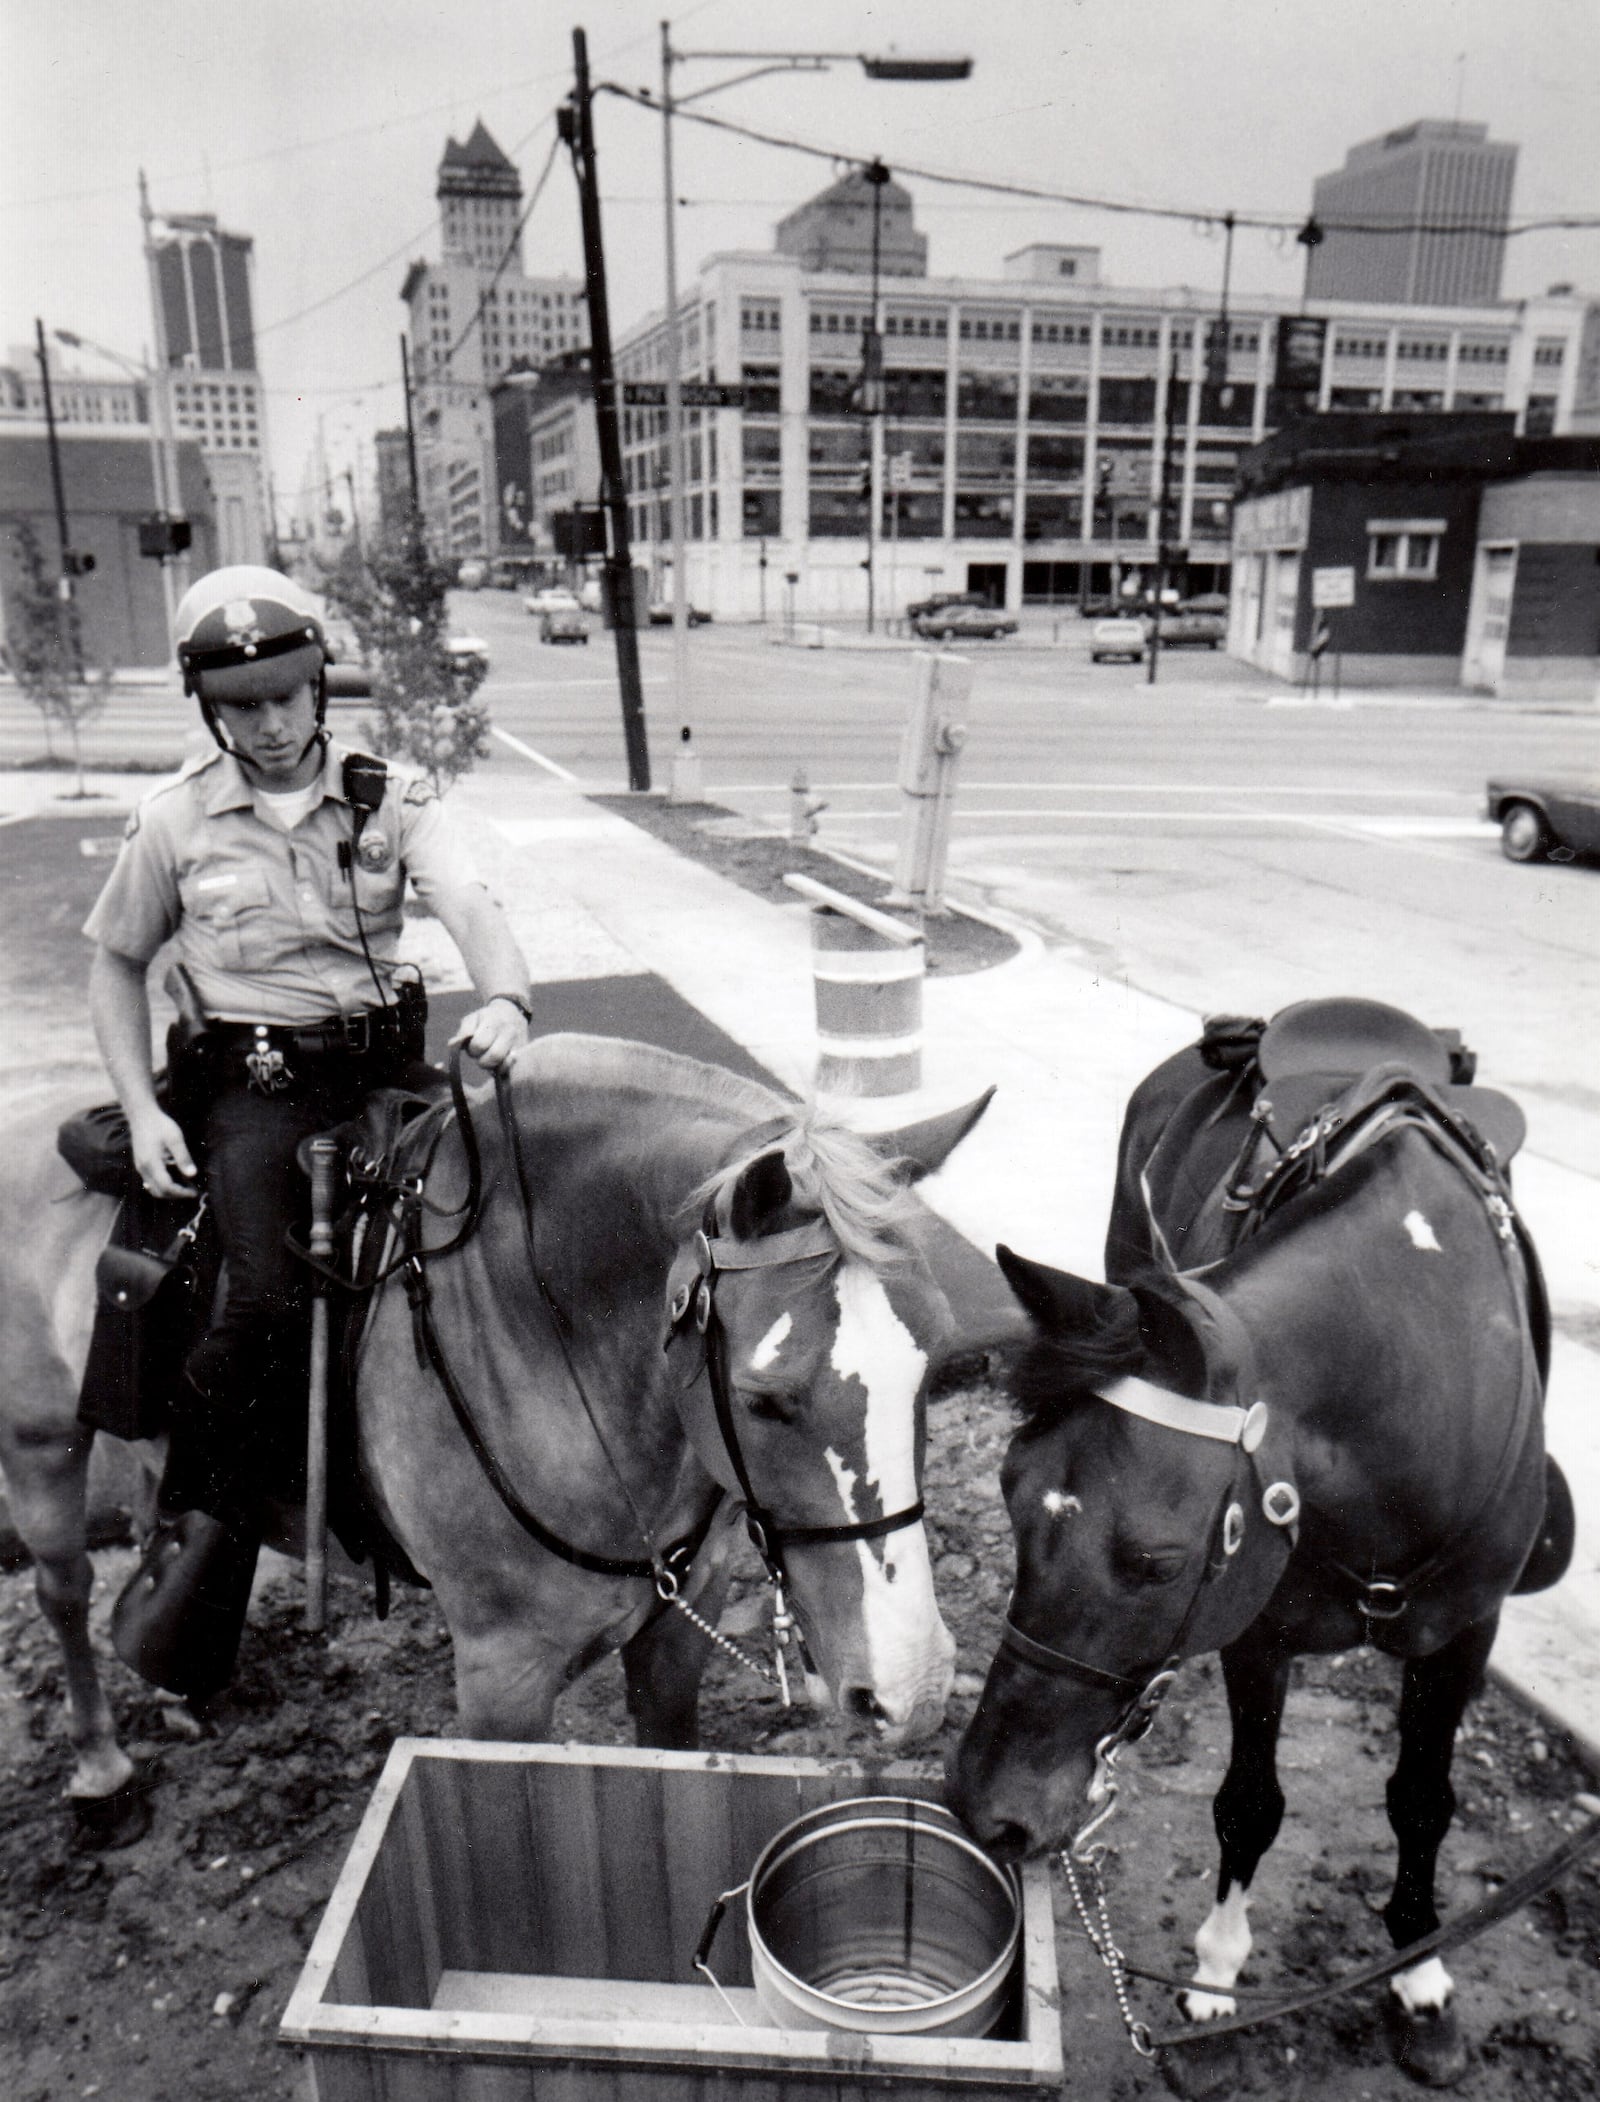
(319, 732)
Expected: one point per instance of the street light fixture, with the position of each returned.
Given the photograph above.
(888, 66)
(163, 460)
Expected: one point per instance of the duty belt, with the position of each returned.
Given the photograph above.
(273, 1054)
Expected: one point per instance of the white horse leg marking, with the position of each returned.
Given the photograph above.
(771, 1343)
(1422, 1234)
(910, 1651)
(1423, 1989)
(1222, 1945)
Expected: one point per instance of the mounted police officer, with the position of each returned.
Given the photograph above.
(276, 866)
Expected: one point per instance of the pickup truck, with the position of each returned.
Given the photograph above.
(1183, 628)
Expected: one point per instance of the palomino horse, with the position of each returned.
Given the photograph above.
(1331, 1435)
(682, 1293)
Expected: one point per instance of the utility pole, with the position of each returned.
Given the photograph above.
(161, 383)
(64, 588)
(675, 444)
(1162, 518)
(575, 122)
(411, 437)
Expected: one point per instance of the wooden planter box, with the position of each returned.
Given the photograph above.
(515, 1923)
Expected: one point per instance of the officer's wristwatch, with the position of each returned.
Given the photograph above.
(523, 1007)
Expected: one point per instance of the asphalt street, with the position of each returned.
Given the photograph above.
(1386, 882)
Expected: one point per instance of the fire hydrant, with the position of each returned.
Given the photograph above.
(804, 810)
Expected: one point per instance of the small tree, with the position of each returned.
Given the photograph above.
(44, 647)
(395, 596)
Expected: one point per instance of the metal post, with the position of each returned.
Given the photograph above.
(578, 130)
(675, 445)
(1161, 518)
(930, 753)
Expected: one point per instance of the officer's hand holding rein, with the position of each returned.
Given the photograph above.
(496, 1031)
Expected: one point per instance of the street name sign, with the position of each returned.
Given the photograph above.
(1333, 587)
(697, 394)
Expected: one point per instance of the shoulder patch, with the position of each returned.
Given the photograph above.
(420, 791)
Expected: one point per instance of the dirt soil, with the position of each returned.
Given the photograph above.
(161, 1971)
(758, 860)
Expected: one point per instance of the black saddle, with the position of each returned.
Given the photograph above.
(1226, 1114)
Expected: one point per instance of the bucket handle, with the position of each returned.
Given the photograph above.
(708, 1934)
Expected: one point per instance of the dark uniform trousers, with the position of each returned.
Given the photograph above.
(238, 1417)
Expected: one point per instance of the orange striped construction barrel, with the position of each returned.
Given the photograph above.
(868, 970)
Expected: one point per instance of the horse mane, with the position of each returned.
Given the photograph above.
(834, 1170)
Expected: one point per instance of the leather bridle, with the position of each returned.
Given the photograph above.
(710, 1254)
(1231, 1423)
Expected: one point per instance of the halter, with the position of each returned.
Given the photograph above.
(1228, 1423)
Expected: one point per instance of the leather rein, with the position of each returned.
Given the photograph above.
(710, 1253)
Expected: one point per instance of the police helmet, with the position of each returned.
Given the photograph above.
(245, 635)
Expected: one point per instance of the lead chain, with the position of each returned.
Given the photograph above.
(1104, 1944)
(726, 1642)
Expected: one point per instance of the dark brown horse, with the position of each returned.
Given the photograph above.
(1331, 1435)
(685, 1294)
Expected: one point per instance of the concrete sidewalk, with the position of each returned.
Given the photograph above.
(591, 895)
(1064, 1048)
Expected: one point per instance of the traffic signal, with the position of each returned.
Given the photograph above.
(162, 535)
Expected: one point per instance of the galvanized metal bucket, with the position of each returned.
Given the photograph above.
(878, 1913)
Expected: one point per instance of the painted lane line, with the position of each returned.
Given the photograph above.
(1114, 788)
(527, 752)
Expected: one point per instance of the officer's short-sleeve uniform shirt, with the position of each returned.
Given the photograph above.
(266, 920)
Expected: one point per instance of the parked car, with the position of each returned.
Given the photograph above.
(1546, 816)
(661, 615)
(968, 623)
(940, 599)
(551, 598)
(1121, 636)
(1182, 627)
(473, 574)
(564, 624)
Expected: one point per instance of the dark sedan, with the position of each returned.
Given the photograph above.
(1546, 818)
(661, 615)
(964, 624)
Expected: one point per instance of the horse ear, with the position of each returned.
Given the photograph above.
(1064, 1305)
(761, 1192)
(918, 1149)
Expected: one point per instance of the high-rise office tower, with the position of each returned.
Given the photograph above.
(1444, 189)
(200, 280)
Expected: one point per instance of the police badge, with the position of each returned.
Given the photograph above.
(374, 850)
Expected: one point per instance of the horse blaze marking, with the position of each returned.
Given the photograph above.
(771, 1343)
(1422, 1234)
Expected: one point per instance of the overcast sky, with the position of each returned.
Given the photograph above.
(316, 126)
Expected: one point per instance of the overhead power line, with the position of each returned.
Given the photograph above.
(1191, 214)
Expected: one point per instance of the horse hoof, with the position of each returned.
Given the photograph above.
(1428, 2044)
(1202, 2070)
(102, 1823)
